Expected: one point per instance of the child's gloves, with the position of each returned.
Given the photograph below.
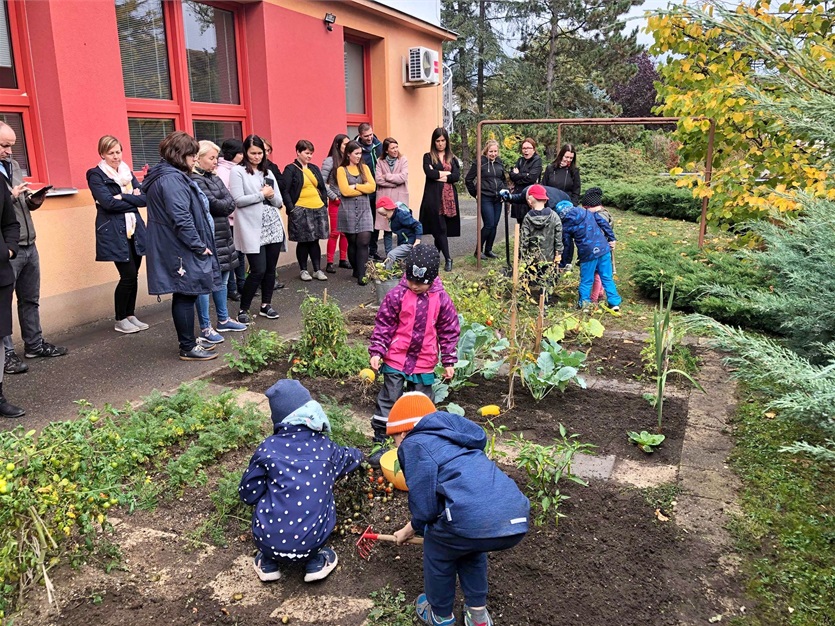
(504, 194)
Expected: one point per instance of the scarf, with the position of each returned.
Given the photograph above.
(124, 178)
(391, 161)
(448, 208)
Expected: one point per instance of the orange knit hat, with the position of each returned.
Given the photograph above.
(407, 411)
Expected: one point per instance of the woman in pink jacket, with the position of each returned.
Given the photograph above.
(392, 178)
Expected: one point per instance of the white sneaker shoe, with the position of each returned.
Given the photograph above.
(124, 326)
(140, 325)
(305, 276)
(320, 275)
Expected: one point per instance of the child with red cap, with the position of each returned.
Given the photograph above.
(462, 504)
(416, 322)
(402, 225)
(541, 239)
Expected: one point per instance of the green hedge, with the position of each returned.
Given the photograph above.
(652, 198)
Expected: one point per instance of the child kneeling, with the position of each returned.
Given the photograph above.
(462, 504)
(290, 482)
(403, 226)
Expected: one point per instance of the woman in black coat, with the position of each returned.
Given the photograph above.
(563, 173)
(120, 231)
(439, 212)
(307, 210)
(525, 173)
(492, 183)
(9, 239)
(221, 206)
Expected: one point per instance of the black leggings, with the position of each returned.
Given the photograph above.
(358, 252)
(182, 310)
(305, 249)
(124, 298)
(261, 272)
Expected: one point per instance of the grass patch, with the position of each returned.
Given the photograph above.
(787, 526)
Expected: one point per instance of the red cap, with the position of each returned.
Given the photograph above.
(537, 191)
(384, 202)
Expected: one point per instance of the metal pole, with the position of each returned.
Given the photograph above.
(478, 198)
(708, 174)
(559, 138)
(506, 233)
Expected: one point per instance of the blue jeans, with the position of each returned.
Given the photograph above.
(182, 310)
(491, 212)
(27, 288)
(603, 266)
(220, 304)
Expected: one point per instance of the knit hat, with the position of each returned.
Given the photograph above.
(384, 202)
(538, 192)
(407, 411)
(423, 264)
(592, 197)
(563, 207)
(285, 397)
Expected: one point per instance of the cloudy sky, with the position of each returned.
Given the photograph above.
(636, 16)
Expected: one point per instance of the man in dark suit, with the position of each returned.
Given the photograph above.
(9, 237)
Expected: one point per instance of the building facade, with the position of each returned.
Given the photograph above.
(74, 70)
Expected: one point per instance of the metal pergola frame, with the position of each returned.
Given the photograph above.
(589, 121)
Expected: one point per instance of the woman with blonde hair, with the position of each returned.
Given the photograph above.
(120, 231)
(392, 179)
(492, 183)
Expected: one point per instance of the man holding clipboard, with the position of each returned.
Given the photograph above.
(26, 265)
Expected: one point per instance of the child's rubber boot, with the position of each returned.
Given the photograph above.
(477, 618)
(379, 441)
(427, 615)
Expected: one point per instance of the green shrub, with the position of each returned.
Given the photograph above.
(258, 350)
(611, 162)
(652, 197)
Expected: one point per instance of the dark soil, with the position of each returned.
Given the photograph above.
(598, 416)
(615, 358)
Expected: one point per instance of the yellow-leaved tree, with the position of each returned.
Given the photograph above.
(750, 69)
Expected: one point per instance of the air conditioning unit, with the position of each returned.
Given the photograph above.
(423, 66)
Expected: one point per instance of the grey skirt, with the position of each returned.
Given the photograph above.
(355, 216)
(308, 224)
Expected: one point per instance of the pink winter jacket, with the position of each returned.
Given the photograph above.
(410, 330)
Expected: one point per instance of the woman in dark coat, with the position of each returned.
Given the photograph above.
(221, 206)
(10, 231)
(563, 174)
(181, 242)
(525, 173)
(439, 212)
(120, 231)
(307, 210)
(492, 184)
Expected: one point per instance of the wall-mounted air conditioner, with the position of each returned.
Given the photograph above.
(423, 67)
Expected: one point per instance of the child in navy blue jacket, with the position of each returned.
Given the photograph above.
(595, 241)
(462, 504)
(404, 227)
(290, 482)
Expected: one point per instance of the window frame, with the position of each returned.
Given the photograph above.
(181, 108)
(22, 100)
(355, 119)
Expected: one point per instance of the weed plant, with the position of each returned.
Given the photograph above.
(391, 608)
(228, 509)
(258, 350)
(323, 349)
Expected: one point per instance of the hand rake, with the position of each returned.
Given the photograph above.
(369, 538)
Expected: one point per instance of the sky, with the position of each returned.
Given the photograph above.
(637, 15)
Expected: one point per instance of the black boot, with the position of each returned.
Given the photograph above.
(379, 441)
(9, 410)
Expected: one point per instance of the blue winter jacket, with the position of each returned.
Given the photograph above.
(179, 231)
(590, 231)
(404, 225)
(290, 482)
(453, 485)
(111, 229)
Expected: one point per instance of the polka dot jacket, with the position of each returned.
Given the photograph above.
(290, 482)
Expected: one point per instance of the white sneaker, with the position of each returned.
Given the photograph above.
(305, 275)
(140, 325)
(320, 275)
(124, 326)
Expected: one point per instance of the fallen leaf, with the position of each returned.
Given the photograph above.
(771, 415)
(662, 518)
(715, 618)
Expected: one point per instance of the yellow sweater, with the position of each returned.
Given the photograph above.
(309, 196)
(362, 188)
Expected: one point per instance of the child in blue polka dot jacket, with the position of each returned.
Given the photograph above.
(290, 482)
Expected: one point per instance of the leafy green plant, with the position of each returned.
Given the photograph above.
(493, 434)
(480, 351)
(646, 441)
(586, 328)
(228, 509)
(545, 466)
(390, 608)
(554, 368)
(681, 357)
(663, 332)
(323, 349)
(258, 350)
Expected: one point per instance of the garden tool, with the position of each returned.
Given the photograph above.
(369, 538)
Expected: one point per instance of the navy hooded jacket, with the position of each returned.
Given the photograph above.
(404, 225)
(590, 231)
(452, 483)
(290, 482)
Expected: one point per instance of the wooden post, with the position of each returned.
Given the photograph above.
(514, 344)
(325, 296)
(540, 322)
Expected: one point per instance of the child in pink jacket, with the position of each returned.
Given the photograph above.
(416, 324)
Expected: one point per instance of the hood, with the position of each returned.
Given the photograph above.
(541, 218)
(453, 428)
(158, 171)
(311, 415)
(573, 216)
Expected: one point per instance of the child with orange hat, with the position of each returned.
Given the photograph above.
(462, 504)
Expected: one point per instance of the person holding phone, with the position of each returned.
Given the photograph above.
(120, 231)
(26, 265)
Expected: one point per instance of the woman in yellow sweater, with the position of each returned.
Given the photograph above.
(355, 182)
(307, 212)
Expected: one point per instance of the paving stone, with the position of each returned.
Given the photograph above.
(705, 517)
(708, 483)
(588, 466)
(705, 448)
(642, 475)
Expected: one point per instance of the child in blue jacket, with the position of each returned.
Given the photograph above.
(462, 504)
(404, 227)
(290, 482)
(595, 241)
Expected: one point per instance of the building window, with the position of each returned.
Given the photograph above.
(357, 72)
(181, 69)
(17, 106)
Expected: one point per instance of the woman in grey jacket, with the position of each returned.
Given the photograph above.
(259, 232)
(329, 166)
